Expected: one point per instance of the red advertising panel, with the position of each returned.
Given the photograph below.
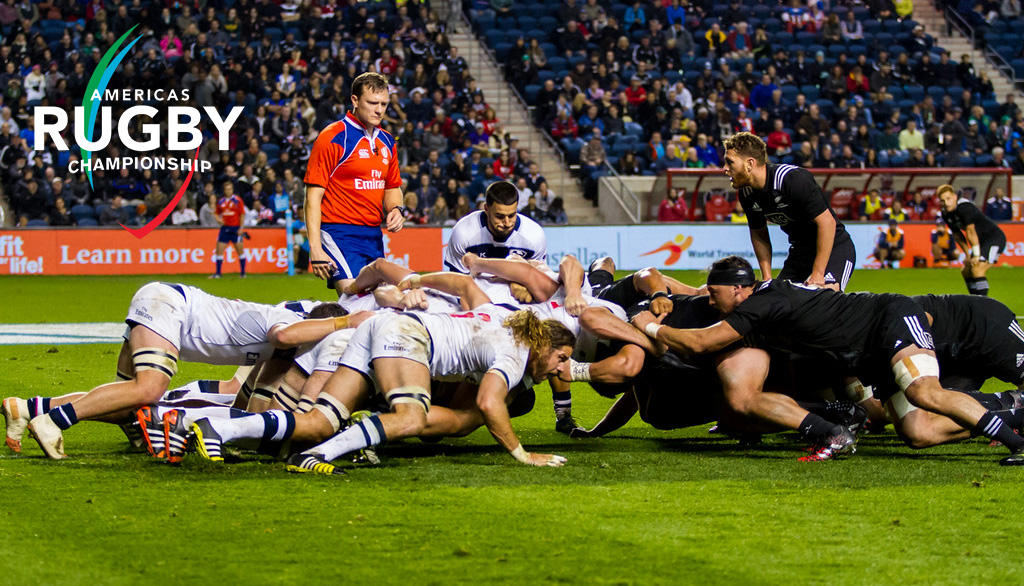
(80, 251)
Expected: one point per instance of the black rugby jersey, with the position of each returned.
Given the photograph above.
(965, 214)
(792, 199)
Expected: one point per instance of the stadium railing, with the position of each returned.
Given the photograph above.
(899, 181)
(955, 20)
(627, 199)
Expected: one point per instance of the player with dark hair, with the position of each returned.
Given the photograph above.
(230, 214)
(820, 250)
(496, 231)
(352, 185)
(890, 331)
(979, 237)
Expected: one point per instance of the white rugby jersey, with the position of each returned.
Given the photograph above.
(471, 343)
(301, 307)
(326, 355)
(228, 331)
(438, 302)
(470, 234)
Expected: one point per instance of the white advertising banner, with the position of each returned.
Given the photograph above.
(677, 246)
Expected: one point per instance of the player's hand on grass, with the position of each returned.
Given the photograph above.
(415, 299)
(320, 263)
(659, 305)
(575, 303)
(521, 293)
(541, 460)
(580, 433)
(395, 220)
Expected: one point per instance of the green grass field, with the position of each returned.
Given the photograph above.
(637, 507)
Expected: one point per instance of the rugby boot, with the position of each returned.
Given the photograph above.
(312, 464)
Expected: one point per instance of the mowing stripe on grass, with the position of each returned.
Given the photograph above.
(64, 333)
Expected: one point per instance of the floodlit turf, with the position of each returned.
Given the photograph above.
(638, 507)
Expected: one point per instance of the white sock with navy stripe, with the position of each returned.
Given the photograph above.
(366, 433)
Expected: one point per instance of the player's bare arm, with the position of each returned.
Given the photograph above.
(826, 238)
(491, 402)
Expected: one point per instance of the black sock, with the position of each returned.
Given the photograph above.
(814, 427)
(992, 427)
(277, 428)
(981, 286)
(64, 416)
(1011, 417)
(563, 403)
(209, 386)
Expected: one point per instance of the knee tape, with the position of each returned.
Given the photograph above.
(287, 396)
(409, 395)
(242, 373)
(858, 392)
(155, 359)
(901, 405)
(245, 392)
(914, 367)
(123, 376)
(334, 410)
(261, 396)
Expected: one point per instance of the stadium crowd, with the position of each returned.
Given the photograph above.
(644, 88)
(651, 86)
(290, 66)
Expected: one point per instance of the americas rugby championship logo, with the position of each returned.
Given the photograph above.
(182, 129)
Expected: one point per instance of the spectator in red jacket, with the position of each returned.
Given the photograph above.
(779, 141)
(673, 209)
(636, 94)
(563, 126)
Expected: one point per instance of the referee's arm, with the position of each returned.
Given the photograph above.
(393, 200)
(318, 260)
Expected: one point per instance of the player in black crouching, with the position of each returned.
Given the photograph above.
(820, 250)
(890, 330)
(979, 237)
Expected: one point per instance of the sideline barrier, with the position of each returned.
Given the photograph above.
(82, 251)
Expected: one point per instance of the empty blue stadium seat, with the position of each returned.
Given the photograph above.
(82, 211)
(805, 38)
(494, 37)
(530, 93)
(36, 223)
(526, 23)
(548, 23)
(556, 63)
(87, 222)
(914, 92)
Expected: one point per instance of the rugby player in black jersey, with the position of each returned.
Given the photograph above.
(979, 237)
(672, 391)
(820, 250)
(890, 330)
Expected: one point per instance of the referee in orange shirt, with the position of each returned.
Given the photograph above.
(352, 184)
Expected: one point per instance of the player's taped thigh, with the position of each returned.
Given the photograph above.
(287, 396)
(410, 395)
(912, 368)
(156, 359)
(900, 405)
(333, 409)
(242, 374)
(123, 376)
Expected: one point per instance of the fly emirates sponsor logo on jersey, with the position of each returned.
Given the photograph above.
(376, 182)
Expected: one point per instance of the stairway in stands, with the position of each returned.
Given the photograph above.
(516, 120)
(935, 25)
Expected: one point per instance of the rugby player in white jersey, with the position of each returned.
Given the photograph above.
(496, 231)
(400, 354)
(171, 321)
